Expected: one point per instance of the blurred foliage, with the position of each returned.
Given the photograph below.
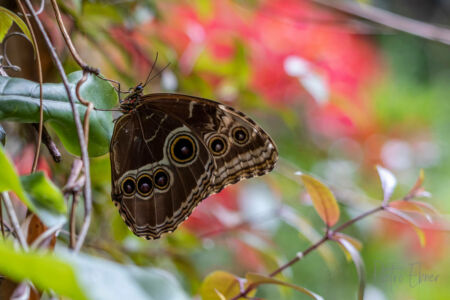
(338, 96)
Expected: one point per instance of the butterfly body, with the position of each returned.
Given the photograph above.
(171, 151)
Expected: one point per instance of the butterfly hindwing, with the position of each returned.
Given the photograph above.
(155, 184)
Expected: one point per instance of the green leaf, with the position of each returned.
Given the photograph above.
(37, 192)
(323, 200)
(19, 102)
(257, 279)
(6, 19)
(9, 180)
(46, 198)
(44, 270)
(83, 277)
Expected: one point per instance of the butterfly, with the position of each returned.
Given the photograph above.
(170, 151)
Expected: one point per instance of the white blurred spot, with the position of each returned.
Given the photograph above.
(312, 81)
(169, 81)
(397, 155)
(208, 244)
(317, 86)
(144, 14)
(258, 206)
(295, 66)
(338, 171)
(373, 293)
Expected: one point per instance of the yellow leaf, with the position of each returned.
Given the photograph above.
(323, 199)
(221, 285)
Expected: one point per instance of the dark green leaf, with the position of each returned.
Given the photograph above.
(19, 99)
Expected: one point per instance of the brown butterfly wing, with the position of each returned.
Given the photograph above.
(140, 150)
(254, 155)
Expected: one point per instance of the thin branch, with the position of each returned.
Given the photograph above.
(72, 240)
(1, 218)
(356, 219)
(41, 101)
(14, 221)
(69, 43)
(388, 19)
(328, 236)
(88, 104)
(74, 174)
(81, 139)
(49, 143)
(44, 238)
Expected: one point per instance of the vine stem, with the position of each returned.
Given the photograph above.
(41, 101)
(78, 125)
(69, 43)
(328, 236)
(14, 221)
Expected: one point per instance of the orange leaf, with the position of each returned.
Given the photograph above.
(323, 199)
(409, 220)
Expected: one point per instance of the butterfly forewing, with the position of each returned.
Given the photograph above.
(255, 155)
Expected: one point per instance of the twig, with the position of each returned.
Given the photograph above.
(394, 21)
(41, 101)
(88, 104)
(81, 140)
(14, 221)
(69, 43)
(328, 236)
(49, 143)
(5, 53)
(74, 173)
(1, 218)
(39, 11)
(72, 228)
(43, 237)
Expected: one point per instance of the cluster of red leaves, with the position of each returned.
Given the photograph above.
(271, 33)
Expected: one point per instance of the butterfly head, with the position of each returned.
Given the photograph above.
(132, 99)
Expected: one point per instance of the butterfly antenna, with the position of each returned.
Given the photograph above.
(151, 70)
(159, 72)
(104, 109)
